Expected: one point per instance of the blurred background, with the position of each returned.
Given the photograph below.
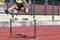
(42, 10)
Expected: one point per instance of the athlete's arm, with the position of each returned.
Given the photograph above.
(25, 2)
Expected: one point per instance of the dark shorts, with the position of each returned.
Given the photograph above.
(19, 6)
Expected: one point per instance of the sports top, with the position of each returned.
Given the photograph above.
(20, 1)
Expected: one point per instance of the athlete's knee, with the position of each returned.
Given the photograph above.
(22, 8)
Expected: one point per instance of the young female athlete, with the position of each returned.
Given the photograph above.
(19, 5)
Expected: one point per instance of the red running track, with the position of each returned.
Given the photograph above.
(51, 32)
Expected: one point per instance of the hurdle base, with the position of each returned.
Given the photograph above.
(18, 36)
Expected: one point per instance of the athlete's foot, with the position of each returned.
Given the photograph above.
(27, 10)
(6, 11)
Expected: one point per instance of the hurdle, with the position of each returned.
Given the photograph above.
(22, 19)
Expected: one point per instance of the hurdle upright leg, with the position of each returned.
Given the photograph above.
(12, 19)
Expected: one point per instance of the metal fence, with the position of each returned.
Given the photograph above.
(38, 8)
(41, 7)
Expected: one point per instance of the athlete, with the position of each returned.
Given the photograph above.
(19, 5)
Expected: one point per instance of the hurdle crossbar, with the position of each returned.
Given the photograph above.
(31, 19)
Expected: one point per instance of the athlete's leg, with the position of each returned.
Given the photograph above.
(26, 8)
(11, 8)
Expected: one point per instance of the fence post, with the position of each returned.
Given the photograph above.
(12, 10)
(52, 10)
(33, 8)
